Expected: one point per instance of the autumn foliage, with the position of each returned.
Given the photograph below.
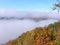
(40, 36)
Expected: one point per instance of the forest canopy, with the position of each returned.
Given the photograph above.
(39, 36)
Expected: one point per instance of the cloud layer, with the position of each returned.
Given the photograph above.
(28, 14)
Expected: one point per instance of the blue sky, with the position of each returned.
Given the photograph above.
(27, 4)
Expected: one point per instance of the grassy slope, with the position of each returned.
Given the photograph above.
(40, 36)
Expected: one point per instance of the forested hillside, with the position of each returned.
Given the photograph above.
(39, 36)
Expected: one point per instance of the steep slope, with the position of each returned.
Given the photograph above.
(40, 36)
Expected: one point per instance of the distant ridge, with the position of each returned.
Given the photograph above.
(18, 18)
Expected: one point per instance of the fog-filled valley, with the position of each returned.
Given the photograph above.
(15, 23)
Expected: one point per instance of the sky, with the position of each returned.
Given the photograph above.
(39, 5)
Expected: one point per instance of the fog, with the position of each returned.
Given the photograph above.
(12, 29)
